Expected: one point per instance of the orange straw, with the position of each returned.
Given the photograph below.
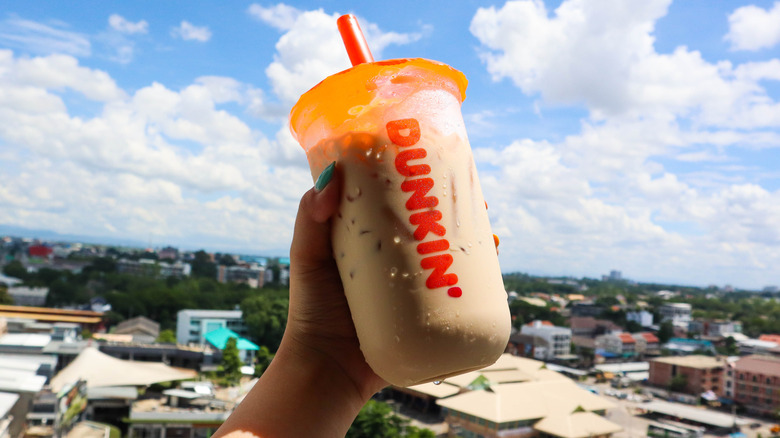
(354, 41)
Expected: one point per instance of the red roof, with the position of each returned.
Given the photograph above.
(650, 338)
(764, 365)
(548, 323)
(626, 338)
(770, 338)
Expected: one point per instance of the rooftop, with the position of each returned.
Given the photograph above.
(210, 313)
(766, 365)
(577, 425)
(7, 402)
(526, 401)
(694, 361)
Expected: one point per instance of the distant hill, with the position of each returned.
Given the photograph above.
(16, 231)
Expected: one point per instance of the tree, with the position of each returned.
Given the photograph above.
(166, 337)
(15, 269)
(376, 420)
(665, 332)
(5, 298)
(678, 383)
(262, 360)
(202, 266)
(231, 361)
(266, 318)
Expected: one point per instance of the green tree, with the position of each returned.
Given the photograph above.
(376, 420)
(5, 298)
(416, 432)
(678, 383)
(166, 337)
(202, 266)
(231, 361)
(15, 269)
(266, 318)
(665, 332)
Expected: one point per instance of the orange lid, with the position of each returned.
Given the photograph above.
(330, 101)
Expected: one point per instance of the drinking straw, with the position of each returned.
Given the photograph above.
(354, 41)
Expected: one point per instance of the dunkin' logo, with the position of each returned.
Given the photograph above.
(406, 133)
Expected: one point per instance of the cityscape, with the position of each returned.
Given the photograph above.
(156, 159)
(86, 351)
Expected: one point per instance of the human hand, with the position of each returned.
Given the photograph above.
(319, 322)
(319, 379)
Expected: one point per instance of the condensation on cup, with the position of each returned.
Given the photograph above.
(411, 237)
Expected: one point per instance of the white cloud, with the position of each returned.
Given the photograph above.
(311, 48)
(604, 197)
(161, 163)
(280, 16)
(754, 28)
(121, 24)
(42, 38)
(189, 32)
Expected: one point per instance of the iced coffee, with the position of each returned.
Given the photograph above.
(411, 237)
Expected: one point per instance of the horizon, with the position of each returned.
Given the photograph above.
(607, 135)
(550, 276)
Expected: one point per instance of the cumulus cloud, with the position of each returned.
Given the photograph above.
(156, 162)
(311, 49)
(754, 28)
(189, 32)
(607, 196)
(280, 16)
(43, 38)
(121, 24)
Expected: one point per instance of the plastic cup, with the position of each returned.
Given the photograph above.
(411, 237)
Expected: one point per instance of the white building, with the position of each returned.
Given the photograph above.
(678, 313)
(193, 325)
(642, 317)
(558, 339)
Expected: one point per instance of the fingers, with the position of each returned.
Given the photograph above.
(311, 239)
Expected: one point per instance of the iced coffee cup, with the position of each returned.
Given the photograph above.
(411, 237)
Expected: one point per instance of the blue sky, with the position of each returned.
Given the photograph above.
(634, 135)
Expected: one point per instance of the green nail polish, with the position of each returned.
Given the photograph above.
(325, 177)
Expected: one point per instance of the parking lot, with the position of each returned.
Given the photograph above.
(628, 409)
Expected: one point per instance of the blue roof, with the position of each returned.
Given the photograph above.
(219, 339)
(690, 341)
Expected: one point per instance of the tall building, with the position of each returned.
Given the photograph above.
(678, 313)
(701, 373)
(757, 383)
(254, 276)
(558, 339)
(193, 325)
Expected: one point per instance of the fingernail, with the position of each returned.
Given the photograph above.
(325, 177)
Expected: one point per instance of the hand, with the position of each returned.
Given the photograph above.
(318, 380)
(319, 320)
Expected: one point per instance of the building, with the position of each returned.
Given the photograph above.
(199, 358)
(28, 296)
(647, 343)
(168, 253)
(757, 383)
(714, 328)
(253, 276)
(84, 318)
(525, 345)
(179, 413)
(642, 317)
(141, 328)
(591, 327)
(756, 346)
(678, 313)
(558, 339)
(586, 309)
(685, 346)
(518, 397)
(620, 344)
(193, 325)
(219, 339)
(153, 268)
(701, 373)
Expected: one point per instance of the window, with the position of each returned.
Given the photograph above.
(768, 380)
(755, 389)
(728, 373)
(741, 376)
(769, 391)
(728, 384)
(755, 379)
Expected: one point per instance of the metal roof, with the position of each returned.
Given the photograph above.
(691, 413)
(7, 402)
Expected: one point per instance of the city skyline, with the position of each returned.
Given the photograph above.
(608, 135)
